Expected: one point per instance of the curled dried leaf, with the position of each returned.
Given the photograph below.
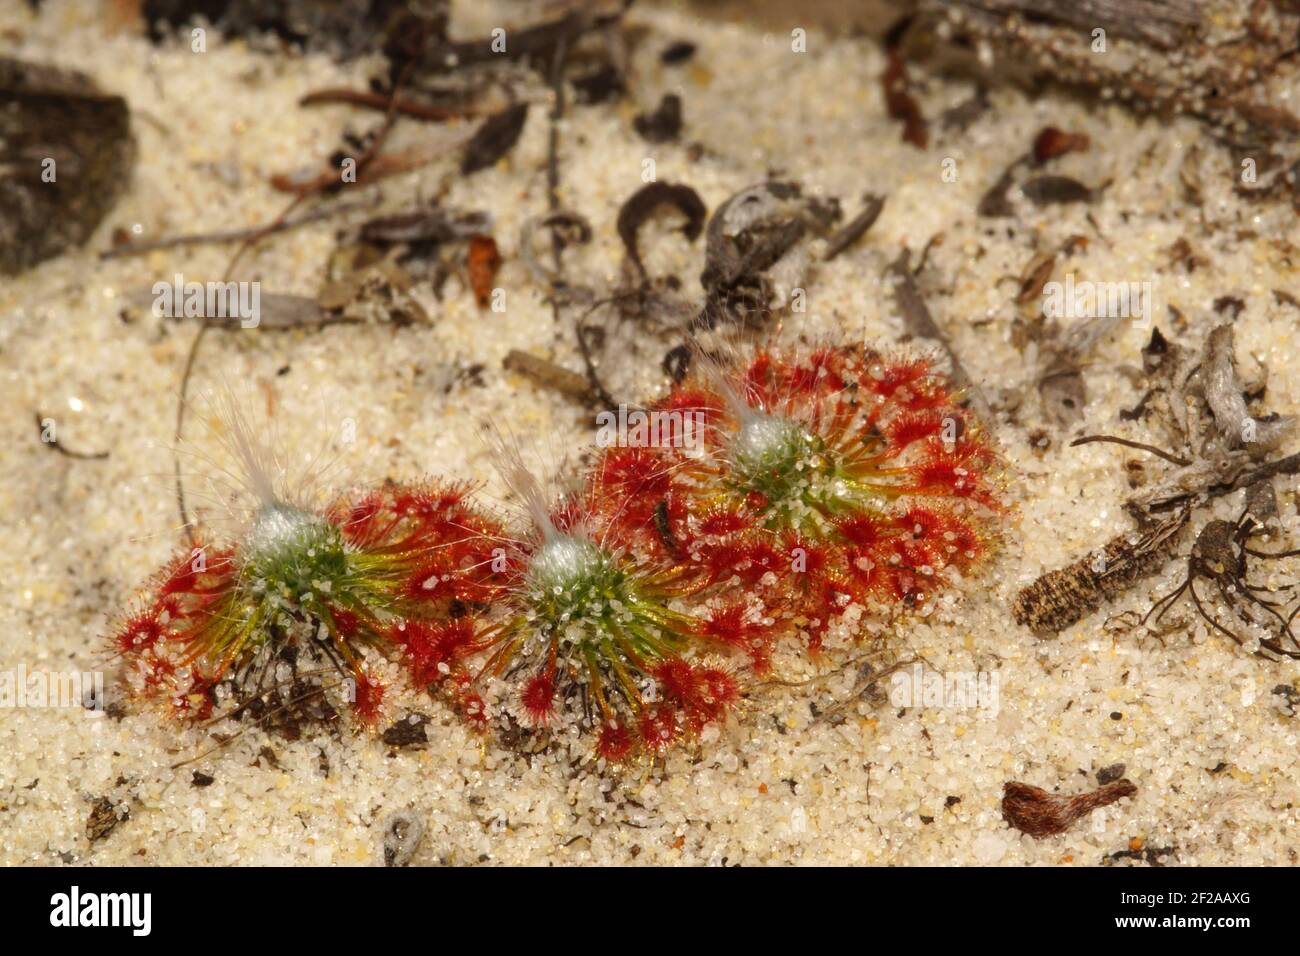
(1035, 277)
(643, 203)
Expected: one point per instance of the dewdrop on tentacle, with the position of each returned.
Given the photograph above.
(594, 635)
(851, 475)
(303, 593)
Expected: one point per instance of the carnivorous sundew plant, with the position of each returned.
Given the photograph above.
(303, 592)
(850, 475)
(590, 633)
(629, 612)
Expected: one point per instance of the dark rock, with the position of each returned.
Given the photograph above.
(68, 154)
(410, 731)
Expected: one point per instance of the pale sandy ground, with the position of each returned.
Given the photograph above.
(78, 536)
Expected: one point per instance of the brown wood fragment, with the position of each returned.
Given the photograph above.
(1057, 190)
(547, 374)
(535, 44)
(1162, 23)
(432, 226)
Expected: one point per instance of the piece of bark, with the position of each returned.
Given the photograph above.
(1218, 60)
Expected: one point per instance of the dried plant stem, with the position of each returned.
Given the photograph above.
(280, 224)
(378, 101)
(1129, 443)
(62, 449)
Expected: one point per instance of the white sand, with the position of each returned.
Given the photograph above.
(80, 536)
